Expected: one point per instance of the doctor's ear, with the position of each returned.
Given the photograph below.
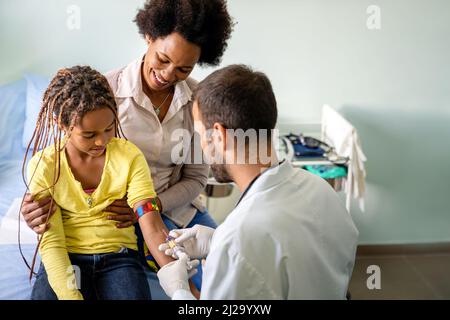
(220, 135)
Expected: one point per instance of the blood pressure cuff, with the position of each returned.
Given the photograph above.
(301, 150)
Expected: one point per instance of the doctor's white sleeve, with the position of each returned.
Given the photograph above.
(229, 275)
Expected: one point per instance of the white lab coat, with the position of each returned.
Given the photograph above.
(290, 237)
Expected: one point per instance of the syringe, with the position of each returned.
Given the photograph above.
(178, 251)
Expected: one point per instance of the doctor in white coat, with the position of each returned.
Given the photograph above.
(289, 236)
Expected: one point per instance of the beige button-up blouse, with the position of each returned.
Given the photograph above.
(177, 183)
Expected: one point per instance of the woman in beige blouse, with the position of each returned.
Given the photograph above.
(153, 95)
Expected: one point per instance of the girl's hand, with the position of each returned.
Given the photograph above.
(122, 213)
(35, 213)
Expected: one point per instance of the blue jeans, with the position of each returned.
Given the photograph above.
(202, 218)
(108, 276)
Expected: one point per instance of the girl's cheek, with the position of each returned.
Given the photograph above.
(110, 136)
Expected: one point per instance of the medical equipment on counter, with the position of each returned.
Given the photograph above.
(301, 147)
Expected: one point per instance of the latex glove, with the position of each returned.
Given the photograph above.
(191, 265)
(174, 275)
(195, 241)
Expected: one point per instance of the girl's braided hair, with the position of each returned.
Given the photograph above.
(71, 94)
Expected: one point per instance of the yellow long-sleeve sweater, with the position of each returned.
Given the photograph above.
(80, 224)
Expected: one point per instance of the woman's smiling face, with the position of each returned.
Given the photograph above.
(169, 60)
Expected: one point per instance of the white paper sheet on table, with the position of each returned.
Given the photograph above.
(9, 227)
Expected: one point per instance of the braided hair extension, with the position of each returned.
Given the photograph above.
(71, 94)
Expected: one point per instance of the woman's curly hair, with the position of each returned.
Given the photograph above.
(206, 23)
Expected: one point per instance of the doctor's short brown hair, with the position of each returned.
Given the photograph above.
(238, 98)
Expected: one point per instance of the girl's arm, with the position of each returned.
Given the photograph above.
(139, 192)
(154, 232)
(61, 275)
(55, 258)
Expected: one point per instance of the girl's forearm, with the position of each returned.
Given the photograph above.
(154, 232)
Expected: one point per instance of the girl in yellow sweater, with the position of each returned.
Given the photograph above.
(80, 162)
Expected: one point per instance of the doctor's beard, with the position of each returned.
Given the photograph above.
(220, 173)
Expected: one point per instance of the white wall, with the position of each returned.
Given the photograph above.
(392, 83)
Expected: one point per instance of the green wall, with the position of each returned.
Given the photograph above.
(393, 84)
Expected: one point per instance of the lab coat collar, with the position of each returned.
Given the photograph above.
(130, 86)
(268, 179)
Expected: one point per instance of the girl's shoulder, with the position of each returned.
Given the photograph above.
(123, 147)
(42, 165)
(44, 157)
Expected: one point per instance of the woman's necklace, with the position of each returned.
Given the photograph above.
(158, 109)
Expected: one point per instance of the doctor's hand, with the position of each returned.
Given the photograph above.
(175, 275)
(195, 241)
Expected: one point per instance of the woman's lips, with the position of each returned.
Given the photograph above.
(160, 82)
